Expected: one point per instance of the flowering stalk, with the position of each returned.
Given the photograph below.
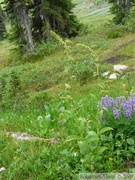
(118, 105)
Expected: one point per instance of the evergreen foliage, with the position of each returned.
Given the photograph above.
(121, 9)
(43, 16)
(53, 15)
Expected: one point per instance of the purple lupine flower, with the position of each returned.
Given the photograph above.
(127, 107)
(116, 113)
(104, 102)
(107, 102)
(132, 101)
(133, 107)
(123, 99)
(132, 98)
(118, 103)
(111, 102)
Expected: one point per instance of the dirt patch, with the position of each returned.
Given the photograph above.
(117, 59)
(124, 45)
(129, 163)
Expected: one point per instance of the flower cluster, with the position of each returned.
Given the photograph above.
(119, 105)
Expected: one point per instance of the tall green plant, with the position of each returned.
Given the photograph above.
(12, 94)
(89, 146)
(81, 61)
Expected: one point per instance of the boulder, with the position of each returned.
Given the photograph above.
(120, 68)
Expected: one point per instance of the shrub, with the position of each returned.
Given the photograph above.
(40, 100)
(82, 62)
(11, 90)
(130, 22)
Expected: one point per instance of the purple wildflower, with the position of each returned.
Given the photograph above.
(118, 101)
(123, 99)
(116, 113)
(111, 102)
(119, 105)
(107, 102)
(127, 107)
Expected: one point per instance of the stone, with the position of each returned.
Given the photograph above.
(105, 74)
(113, 76)
(120, 68)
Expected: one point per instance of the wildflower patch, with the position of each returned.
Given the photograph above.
(119, 107)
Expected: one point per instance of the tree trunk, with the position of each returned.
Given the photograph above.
(128, 5)
(48, 28)
(120, 5)
(124, 4)
(22, 16)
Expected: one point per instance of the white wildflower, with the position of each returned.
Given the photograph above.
(75, 154)
(2, 169)
(39, 118)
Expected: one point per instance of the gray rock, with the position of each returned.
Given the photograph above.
(105, 74)
(120, 68)
(113, 76)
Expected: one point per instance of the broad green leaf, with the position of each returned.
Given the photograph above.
(133, 170)
(48, 117)
(100, 150)
(130, 141)
(61, 109)
(82, 146)
(91, 137)
(105, 129)
(73, 138)
(92, 133)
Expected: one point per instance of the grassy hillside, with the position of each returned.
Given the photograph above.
(54, 94)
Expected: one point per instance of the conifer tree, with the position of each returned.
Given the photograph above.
(121, 9)
(18, 14)
(34, 19)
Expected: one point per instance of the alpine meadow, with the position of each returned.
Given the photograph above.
(67, 91)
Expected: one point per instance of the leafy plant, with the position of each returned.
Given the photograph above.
(89, 147)
(11, 90)
(119, 108)
(82, 62)
(119, 114)
(130, 22)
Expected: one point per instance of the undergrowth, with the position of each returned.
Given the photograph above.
(55, 93)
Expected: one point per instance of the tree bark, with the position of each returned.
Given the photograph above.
(128, 5)
(22, 16)
(120, 5)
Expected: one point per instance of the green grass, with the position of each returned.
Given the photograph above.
(67, 106)
(4, 52)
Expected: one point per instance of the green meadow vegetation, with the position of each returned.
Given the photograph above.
(55, 93)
